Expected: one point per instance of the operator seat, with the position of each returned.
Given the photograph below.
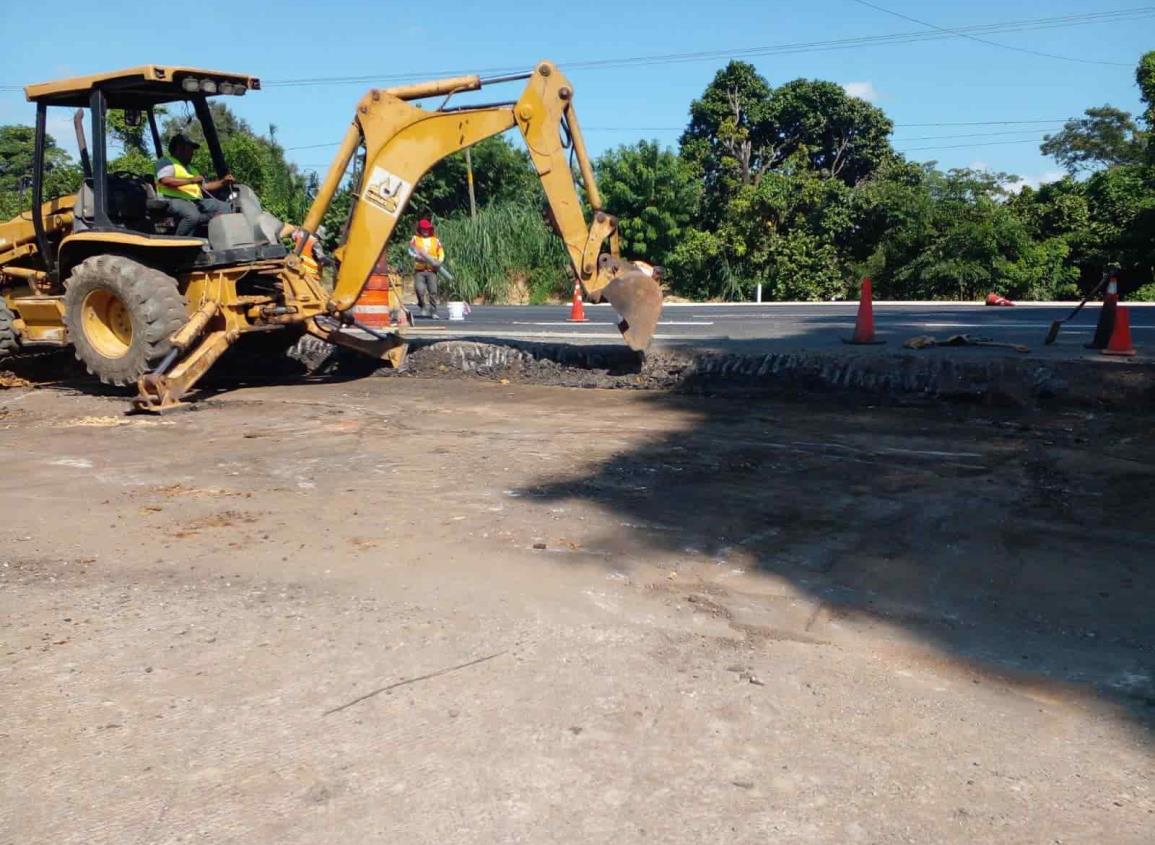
(127, 202)
(265, 226)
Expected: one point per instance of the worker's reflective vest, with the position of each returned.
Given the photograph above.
(184, 192)
(308, 259)
(431, 246)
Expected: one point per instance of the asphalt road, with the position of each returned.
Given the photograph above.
(794, 326)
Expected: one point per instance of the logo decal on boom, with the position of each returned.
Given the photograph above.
(387, 191)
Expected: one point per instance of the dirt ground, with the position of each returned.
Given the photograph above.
(407, 610)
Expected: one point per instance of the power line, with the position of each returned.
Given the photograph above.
(896, 140)
(1060, 21)
(964, 135)
(972, 32)
(927, 148)
(988, 42)
(968, 146)
(983, 123)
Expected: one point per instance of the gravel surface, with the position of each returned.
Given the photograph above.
(431, 610)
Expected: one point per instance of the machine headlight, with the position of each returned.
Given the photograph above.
(191, 84)
(227, 88)
(240, 90)
(208, 86)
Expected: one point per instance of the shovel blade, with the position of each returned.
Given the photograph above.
(638, 300)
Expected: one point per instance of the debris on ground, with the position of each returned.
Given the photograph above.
(925, 341)
(95, 422)
(10, 380)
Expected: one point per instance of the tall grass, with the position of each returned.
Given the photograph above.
(508, 253)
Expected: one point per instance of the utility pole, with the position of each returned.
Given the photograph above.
(469, 181)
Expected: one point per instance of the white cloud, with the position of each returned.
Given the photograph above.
(1020, 182)
(1036, 182)
(861, 90)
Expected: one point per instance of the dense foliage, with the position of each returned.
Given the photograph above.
(62, 176)
(795, 187)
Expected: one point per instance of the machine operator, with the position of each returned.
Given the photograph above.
(178, 182)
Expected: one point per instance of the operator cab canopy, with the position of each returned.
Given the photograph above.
(121, 200)
(142, 87)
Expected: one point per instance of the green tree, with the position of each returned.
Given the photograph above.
(654, 194)
(1105, 137)
(842, 137)
(1145, 79)
(726, 139)
(501, 174)
(17, 145)
(788, 231)
(742, 128)
(963, 239)
(132, 138)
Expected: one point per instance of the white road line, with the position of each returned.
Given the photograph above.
(992, 326)
(468, 333)
(849, 320)
(599, 323)
(885, 303)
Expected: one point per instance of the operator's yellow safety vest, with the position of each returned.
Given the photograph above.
(431, 246)
(185, 192)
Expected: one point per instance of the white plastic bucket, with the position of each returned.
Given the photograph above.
(456, 310)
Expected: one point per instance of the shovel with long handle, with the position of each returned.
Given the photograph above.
(1053, 331)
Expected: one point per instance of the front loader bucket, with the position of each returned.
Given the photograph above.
(638, 300)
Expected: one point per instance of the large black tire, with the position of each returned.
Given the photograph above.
(120, 315)
(9, 339)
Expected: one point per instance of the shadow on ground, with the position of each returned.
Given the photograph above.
(1021, 542)
(1022, 545)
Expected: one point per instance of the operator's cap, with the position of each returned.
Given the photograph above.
(181, 138)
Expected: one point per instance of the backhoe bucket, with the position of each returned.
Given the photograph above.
(638, 300)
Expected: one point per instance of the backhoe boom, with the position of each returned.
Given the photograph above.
(402, 142)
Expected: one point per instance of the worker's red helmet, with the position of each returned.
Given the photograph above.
(424, 227)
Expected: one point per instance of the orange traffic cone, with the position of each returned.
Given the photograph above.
(372, 307)
(864, 325)
(1105, 328)
(1121, 336)
(577, 311)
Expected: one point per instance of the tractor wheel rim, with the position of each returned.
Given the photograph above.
(107, 323)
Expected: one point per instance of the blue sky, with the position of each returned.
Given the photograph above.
(941, 81)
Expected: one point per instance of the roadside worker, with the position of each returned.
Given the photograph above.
(313, 254)
(178, 182)
(428, 255)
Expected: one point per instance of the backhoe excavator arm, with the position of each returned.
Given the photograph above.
(402, 142)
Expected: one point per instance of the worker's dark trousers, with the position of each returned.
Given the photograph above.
(425, 281)
(191, 215)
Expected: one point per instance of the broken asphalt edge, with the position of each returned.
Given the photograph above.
(940, 374)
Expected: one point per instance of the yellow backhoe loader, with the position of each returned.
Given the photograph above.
(102, 270)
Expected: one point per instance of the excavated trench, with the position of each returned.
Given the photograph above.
(895, 375)
(964, 375)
